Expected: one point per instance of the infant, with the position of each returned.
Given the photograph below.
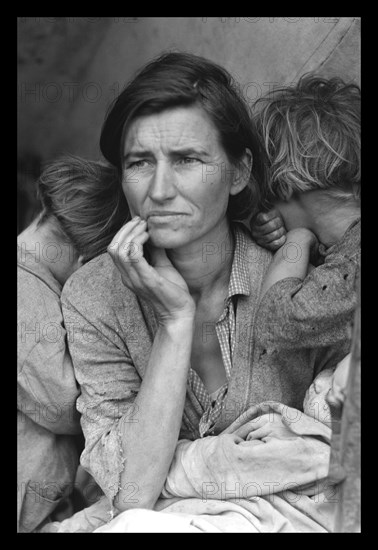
(327, 390)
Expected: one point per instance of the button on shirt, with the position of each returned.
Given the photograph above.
(225, 329)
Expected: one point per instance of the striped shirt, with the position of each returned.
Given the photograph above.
(225, 329)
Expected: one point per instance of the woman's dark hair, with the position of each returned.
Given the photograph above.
(183, 79)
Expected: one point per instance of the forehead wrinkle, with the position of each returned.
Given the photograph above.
(136, 137)
(166, 133)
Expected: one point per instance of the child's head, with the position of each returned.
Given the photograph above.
(84, 202)
(327, 389)
(311, 133)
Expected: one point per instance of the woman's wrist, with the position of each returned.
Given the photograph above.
(179, 322)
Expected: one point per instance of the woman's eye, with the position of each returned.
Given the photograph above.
(137, 164)
(188, 160)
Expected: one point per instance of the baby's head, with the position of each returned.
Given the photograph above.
(327, 389)
(315, 403)
(311, 132)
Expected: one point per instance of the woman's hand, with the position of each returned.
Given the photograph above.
(268, 230)
(266, 425)
(160, 282)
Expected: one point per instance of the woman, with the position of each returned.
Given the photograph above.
(81, 211)
(166, 350)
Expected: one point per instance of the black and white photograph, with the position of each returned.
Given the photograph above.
(188, 275)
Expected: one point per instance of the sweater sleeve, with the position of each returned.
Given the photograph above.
(108, 380)
(314, 312)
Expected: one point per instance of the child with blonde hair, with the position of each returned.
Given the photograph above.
(310, 210)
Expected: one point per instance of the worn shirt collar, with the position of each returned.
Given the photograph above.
(239, 279)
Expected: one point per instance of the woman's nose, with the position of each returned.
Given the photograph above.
(162, 185)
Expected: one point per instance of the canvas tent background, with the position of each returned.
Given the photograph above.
(70, 69)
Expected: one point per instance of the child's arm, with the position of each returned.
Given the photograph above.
(292, 259)
(310, 309)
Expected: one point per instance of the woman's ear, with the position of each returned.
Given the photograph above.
(242, 173)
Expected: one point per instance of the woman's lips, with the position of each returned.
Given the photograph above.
(163, 217)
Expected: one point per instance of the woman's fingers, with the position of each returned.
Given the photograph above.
(159, 282)
(251, 425)
(127, 246)
(132, 246)
(258, 434)
(124, 231)
(126, 250)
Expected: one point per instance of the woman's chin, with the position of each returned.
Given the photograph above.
(165, 239)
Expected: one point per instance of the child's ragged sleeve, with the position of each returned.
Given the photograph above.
(314, 312)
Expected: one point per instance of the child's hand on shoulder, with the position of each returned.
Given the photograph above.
(268, 230)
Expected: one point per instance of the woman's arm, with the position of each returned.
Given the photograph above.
(131, 426)
(227, 467)
(160, 401)
(129, 454)
(149, 444)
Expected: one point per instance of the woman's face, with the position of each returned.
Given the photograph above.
(176, 176)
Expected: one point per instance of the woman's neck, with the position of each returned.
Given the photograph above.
(206, 264)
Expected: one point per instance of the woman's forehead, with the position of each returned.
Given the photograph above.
(173, 128)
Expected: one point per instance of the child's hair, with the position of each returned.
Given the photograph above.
(311, 133)
(85, 198)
